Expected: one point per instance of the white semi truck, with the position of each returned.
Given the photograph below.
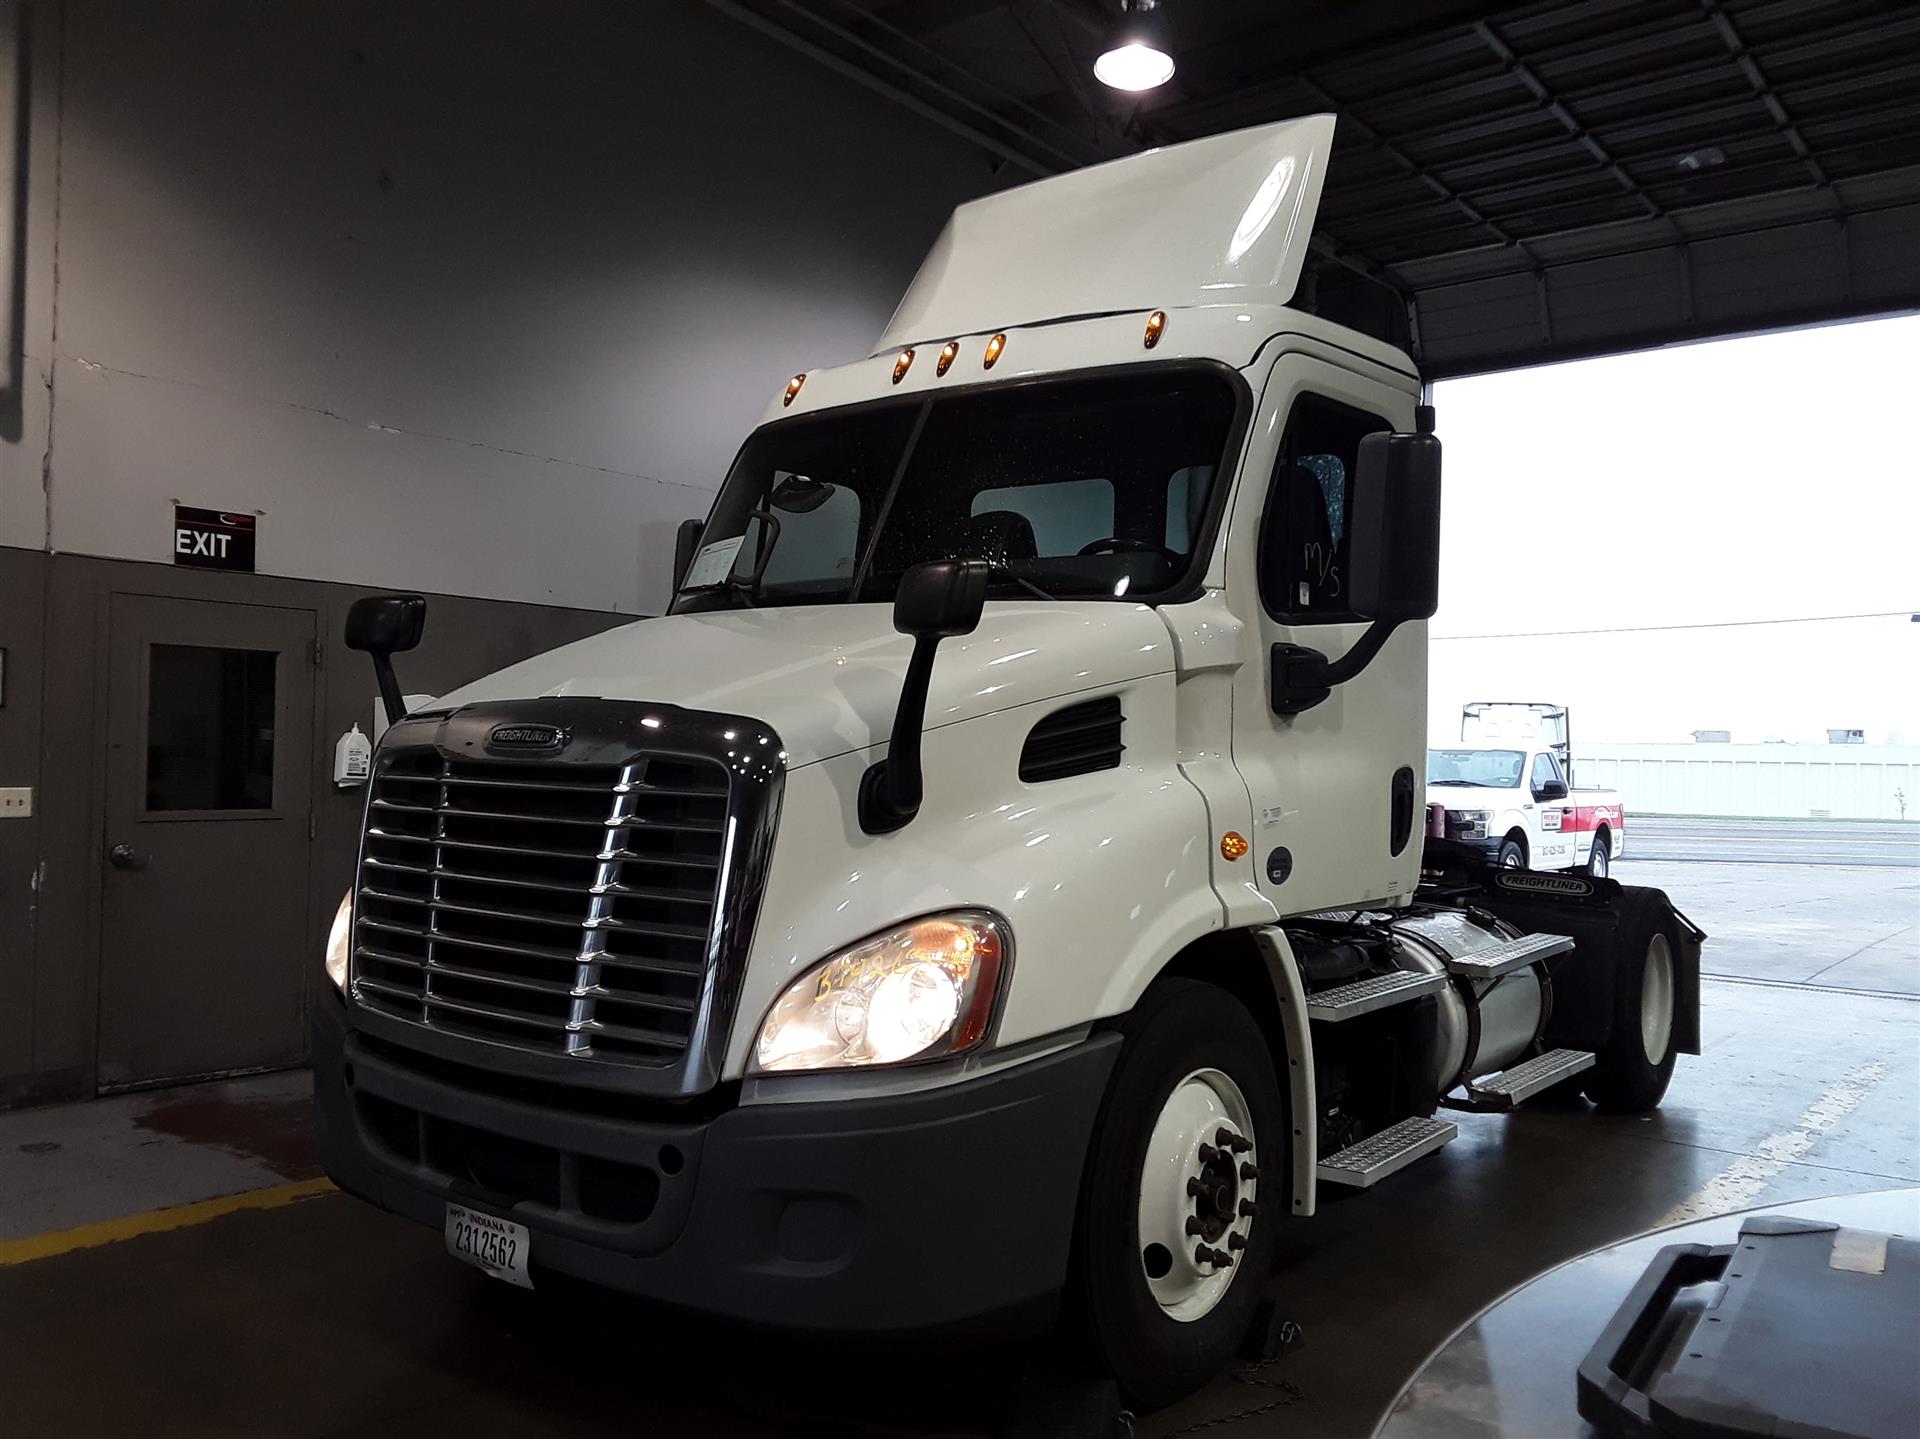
(995, 894)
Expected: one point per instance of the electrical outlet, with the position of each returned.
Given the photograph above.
(16, 803)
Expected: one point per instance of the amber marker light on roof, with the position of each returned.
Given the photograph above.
(947, 353)
(1156, 323)
(900, 366)
(994, 347)
(793, 388)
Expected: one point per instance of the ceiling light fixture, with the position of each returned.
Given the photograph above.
(1136, 56)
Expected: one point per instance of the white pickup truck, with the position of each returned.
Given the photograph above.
(1508, 792)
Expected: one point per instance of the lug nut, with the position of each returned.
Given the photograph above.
(1248, 1209)
(1208, 1154)
(1240, 1145)
(1202, 1254)
(1223, 1137)
(1222, 1259)
(1247, 1171)
(1236, 1241)
(1193, 1225)
(1195, 1188)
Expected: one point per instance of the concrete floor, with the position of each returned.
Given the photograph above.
(326, 1318)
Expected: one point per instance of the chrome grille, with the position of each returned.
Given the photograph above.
(557, 907)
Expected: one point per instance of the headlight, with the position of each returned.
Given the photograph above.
(339, 940)
(1473, 822)
(921, 991)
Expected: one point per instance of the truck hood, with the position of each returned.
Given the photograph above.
(827, 677)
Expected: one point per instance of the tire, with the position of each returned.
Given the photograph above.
(1512, 855)
(1636, 1063)
(1164, 1336)
(1600, 863)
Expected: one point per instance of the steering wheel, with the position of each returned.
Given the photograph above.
(1121, 545)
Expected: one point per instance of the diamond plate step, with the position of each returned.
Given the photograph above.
(1363, 1165)
(1509, 955)
(1519, 1084)
(1363, 996)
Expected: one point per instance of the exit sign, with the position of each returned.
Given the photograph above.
(213, 539)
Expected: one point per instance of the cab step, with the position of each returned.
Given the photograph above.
(1516, 1086)
(1363, 996)
(1363, 1165)
(1509, 955)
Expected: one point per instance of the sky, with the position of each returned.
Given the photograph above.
(1772, 477)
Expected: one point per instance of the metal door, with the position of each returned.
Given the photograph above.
(205, 938)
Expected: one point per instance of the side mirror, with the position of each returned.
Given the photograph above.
(384, 626)
(935, 601)
(1393, 566)
(1552, 789)
(941, 598)
(686, 544)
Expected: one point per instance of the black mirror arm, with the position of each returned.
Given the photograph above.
(390, 696)
(1302, 678)
(890, 791)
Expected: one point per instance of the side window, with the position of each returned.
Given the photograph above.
(1304, 541)
(1062, 516)
(1545, 770)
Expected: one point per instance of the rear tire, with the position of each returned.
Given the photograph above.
(1599, 863)
(1512, 855)
(1636, 1064)
(1161, 1322)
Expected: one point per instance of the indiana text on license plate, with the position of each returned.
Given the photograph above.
(498, 1246)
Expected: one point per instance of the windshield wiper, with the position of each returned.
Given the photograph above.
(1003, 573)
(1468, 783)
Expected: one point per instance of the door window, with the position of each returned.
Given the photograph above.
(1304, 539)
(210, 719)
(1546, 771)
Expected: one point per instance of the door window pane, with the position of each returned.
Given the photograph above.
(1304, 542)
(210, 716)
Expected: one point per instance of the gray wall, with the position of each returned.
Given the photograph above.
(477, 298)
(470, 298)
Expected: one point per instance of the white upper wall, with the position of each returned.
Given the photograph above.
(466, 297)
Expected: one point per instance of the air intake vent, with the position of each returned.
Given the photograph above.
(1077, 740)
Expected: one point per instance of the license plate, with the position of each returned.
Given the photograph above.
(490, 1244)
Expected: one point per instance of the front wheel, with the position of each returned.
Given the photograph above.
(1636, 1063)
(1185, 1183)
(1513, 854)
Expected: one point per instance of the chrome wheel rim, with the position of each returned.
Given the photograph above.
(1513, 860)
(1656, 1000)
(1598, 864)
(1197, 1195)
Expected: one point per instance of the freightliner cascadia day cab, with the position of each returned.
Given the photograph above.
(994, 895)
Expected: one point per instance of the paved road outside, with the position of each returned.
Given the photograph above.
(1775, 841)
(1829, 903)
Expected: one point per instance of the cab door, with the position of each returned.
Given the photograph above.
(1553, 807)
(1336, 790)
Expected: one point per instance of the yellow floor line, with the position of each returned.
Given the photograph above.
(158, 1221)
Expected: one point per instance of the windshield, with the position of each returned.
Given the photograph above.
(1496, 768)
(1083, 488)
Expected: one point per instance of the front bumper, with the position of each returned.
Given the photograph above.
(932, 1210)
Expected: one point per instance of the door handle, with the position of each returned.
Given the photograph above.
(125, 856)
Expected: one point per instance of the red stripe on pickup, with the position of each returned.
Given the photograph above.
(1585, 818)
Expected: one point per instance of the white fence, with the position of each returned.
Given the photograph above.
(1791, 781)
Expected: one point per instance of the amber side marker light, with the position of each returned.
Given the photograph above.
(947, 352)
(1156, 323)
(793, 388)
(900, 366)
(1233, 845)
(994, 347)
